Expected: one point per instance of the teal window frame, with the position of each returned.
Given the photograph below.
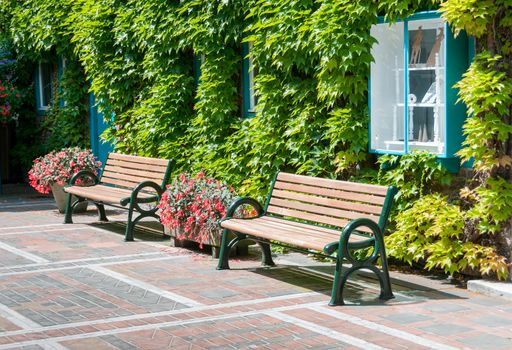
(248, 95)
(452, 128)
(40, 87)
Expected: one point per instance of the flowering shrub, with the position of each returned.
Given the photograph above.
(59, 166)
(194, 205)
(10, 98)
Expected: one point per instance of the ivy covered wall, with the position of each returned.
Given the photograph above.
(312, 58)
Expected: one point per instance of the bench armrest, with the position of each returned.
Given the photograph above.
(238, 203)
(81, 174)
(135, 193)
(351, 228)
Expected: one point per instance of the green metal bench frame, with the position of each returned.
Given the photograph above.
(133, 201)
(341, 246)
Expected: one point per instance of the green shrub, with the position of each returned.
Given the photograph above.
(432, 232)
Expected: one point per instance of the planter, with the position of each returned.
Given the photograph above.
(61, 198)
(214, 240)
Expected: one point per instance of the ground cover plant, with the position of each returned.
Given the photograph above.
(143, 59)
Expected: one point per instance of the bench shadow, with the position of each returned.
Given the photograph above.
(27, 207)
(362, 287)
(151, 231)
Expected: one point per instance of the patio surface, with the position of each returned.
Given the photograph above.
(81, 286)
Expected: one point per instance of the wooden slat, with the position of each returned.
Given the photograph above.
(292, 229)
(143, 174)
(148, 167)
(311, 217)
(122, 183)
(328, 202)
(303, 238)
(331, 193)
(317, 209)
(281, 221)
(104, 193)
(137, 159)
(334, 184)
(300, 240)
(132, 178)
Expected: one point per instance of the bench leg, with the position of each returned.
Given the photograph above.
(101, 211)
(128, 236)
(224, 252)
(69, 210)
(385, 283)
(266, 254)
(338, 283)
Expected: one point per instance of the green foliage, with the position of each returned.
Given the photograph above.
(486, 90)
(415, 174)
(492, 205)
(431, 232)
(476, 16)
(66, 121)
(312, 58)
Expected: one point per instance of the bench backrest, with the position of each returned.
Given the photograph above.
(330, 202)
(127, 171)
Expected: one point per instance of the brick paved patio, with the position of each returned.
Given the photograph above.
(82, 287)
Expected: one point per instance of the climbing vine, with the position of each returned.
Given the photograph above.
(167, 76)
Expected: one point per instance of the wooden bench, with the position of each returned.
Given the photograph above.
(127, 182)
(321, 216)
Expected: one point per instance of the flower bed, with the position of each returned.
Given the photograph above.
(10, 98)
(192, 206)
(58, 167)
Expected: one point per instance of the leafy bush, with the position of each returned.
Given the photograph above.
(415, 174)
(432, 232)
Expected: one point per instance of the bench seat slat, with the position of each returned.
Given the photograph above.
(301, 215)
(304, 238)
(334, 184)
(293, 230)
(147, 167)
(328, 202)
(139, 160)
(122, 183)
(103, 193)
(331, 193)
(140, 174)
(317, 209)
(280, 221)
(107, 173)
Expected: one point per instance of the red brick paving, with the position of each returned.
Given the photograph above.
(245, 308)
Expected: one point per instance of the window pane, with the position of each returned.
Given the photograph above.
(45, 84)
(426, 85)
(387, 88)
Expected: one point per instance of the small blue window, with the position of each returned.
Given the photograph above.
(44, 83)
(248, 73)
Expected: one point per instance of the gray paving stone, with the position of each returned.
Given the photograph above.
(18, 298)
(7, 301)
(118, 343)
(445, 329)
(64, 302)
(405, 318)
(487, 301)
(218, 293)
(487, 341)
(492, 321)
(95, 300)
(32, 347)
(445, 308)
(36, 317)
(55, 317)
(178, 281)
